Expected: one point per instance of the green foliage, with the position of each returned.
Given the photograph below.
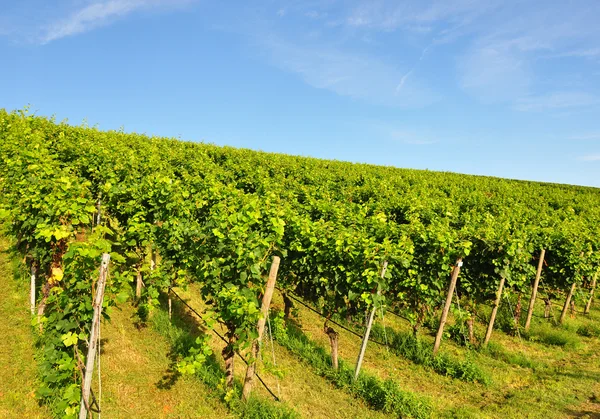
(66, 326)
(217, 216)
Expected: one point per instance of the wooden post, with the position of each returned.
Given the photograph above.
(567, 302)
(170, 304)
(471, 328)
(518, 309)
(288, 305)
(548, 307)
(333, 341)
(488, 333)
(32, 288)
(440, 332)
(536, 283)
(363, 346)
(588, 306)
(266, 302)
(228, 354)
(152, 259)
(94, 332)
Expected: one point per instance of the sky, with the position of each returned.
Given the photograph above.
(501, 88)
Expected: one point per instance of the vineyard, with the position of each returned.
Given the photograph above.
(379, 280)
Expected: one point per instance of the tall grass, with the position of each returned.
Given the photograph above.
(411, 347)
(547, 334)
(496, 351)
(382, 395)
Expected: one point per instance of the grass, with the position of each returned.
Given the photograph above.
(529, 379)
(136, 365)
(553, 372)
(548, 334)
(181, 333)
(498, 352)
(18, 378)
(379, 394)
(589, 331)
(411, 347)
(300, 387)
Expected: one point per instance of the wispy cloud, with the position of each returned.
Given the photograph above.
(494, 74)
(405, 134)
(580, 53)
(555, 101)
(409, 72)
(416, 16)
(349, 74)
(412, 138)
(585, 137)
(313, 14)
(590, 157)
(505, 60)
(98, 14)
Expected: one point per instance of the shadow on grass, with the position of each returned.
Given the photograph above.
(587, 414)
(181, 333)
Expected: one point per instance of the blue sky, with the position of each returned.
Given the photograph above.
(501, 88)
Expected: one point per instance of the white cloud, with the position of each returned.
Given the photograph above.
(580, 53)
(590, 157)
(413, 138)
(313, 14)
(494, 74)
(585, 137)
(418, 16)
(98, 14)
(350, 74)
(558, 100)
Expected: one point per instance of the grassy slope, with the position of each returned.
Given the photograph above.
(566, 385)
(18, 376)
(136, 365)
(300, 388)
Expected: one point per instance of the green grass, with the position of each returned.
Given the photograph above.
(548, 334)
(589, 331)
(411, 347)
(18, 377)
(384, 395)
(553, 372)
(136, 375)
(181, 332)
(498, 352)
